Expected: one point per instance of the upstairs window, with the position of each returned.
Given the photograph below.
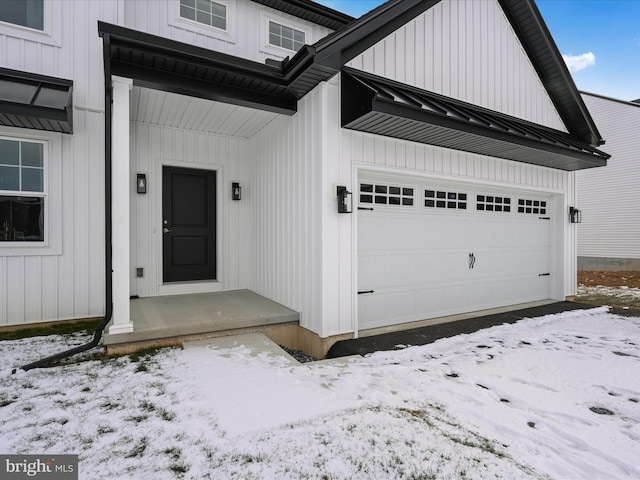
(28, 13)
(22, 195)
(285, 37)
(204, 11)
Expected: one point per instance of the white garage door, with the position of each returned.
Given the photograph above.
(427, 251)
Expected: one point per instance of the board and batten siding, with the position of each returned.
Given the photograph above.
(466, 50)
(609, 197)
(303, 247)
(153, 146)
(246, 35)
(67, 281)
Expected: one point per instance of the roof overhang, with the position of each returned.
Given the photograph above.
(377, 105)
(35, 101)
(537, 41)
(310, 11)
(167, 65)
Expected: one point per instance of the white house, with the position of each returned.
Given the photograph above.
(452, 128)
(609, 235)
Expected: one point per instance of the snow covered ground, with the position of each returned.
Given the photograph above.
(622, 293)
(551, 397)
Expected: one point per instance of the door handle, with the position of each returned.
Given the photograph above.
(166, 230)
(472, 260)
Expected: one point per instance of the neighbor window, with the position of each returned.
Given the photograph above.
(28, 13)
(285, 37)
(204, 11)
(22, 193)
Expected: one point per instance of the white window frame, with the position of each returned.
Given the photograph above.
(274, 50)
(52, 194)
(50, 35)
(202, 28)
(293, 30)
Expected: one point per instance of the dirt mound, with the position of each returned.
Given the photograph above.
(609, 279)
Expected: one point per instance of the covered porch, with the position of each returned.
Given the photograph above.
(173, 319)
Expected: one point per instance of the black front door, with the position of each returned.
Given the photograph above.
(189, 224)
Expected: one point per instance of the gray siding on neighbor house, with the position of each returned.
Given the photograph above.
(609, 197)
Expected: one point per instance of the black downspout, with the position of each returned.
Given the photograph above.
(97, 336)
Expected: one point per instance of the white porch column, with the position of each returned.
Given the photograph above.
(120, 188)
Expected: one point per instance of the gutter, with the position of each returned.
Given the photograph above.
(97, 336)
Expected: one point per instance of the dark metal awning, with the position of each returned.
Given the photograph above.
(384, 107)
(35, 101)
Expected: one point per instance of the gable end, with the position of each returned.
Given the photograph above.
(536, 39)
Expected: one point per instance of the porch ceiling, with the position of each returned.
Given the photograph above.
(155, 107)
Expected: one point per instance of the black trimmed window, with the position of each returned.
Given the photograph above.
(22, 194)
(204, 11)
(444, 199)
(28, 13)
(382, 194)
(493, 203)
(534, 207)
(285, 37)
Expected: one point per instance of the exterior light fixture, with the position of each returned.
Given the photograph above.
(575, 215)
(236, 191)
(141, 183)
(344, 199)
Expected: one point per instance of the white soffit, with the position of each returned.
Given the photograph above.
(155, 107)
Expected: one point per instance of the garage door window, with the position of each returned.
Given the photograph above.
(493, 203)
(534, 207)
(444, 199)
(384, 194)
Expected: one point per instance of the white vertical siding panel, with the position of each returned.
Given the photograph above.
(66, 265)
(33, 287)
(4, 302)
(452, 163)
(49, 294)
(469, 52)
(288, 221)
(16, 292)
(79, 159)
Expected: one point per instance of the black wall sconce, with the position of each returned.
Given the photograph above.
(575, 215)
(141, 183)
(344, 199)
(236, 191)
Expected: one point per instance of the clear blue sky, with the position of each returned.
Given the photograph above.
(600, 39)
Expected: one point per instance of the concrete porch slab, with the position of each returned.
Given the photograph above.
(158, 318)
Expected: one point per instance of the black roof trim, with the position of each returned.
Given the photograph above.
(381, 106)
(537, 41)
(342, 46)
(177, 67)
(39, 102)
(310, 11)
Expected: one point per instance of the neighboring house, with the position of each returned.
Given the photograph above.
(455, 125)
(609, 235)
